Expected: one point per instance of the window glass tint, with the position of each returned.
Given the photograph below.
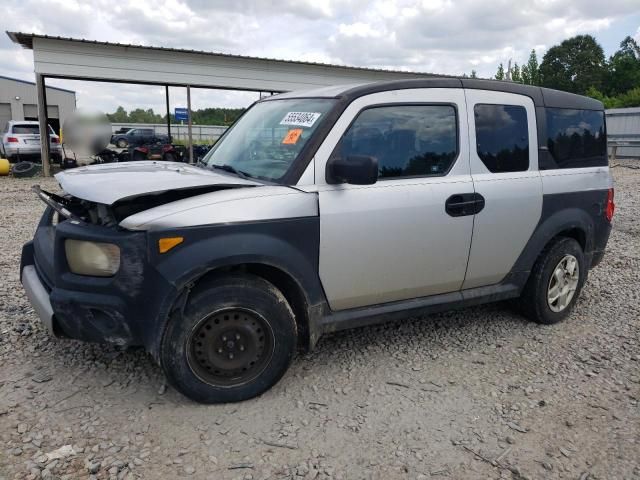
(502, 137)
(576, 138)
(27, 129)
(407, 140)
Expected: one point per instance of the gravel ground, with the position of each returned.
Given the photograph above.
(476, 393)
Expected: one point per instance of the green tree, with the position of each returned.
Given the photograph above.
(631, 98)
(474, 74)
(530, 71)
(623, 72)
(573, 66)
(119, 116)
(500, 72)
(515, 73)
(525, 76)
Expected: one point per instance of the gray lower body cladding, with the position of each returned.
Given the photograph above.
(576, 213)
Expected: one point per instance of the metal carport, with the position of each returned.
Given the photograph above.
(70, 58)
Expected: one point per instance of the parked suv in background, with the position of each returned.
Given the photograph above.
(21, 141)
(324, 210)
(138, 136)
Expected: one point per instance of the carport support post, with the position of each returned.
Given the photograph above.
(45, 150)
(189, 124)
(168, 113)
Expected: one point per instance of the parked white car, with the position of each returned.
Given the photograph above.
(21, 140)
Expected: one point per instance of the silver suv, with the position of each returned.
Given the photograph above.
(21, 140)
(324, 210)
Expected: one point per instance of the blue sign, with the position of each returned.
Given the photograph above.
(181, 114)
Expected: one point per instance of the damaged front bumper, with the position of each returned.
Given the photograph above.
(121, 310)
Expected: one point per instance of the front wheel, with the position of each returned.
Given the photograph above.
(235, 340)
(555, 282)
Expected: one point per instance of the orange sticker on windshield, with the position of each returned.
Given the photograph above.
(292, 136)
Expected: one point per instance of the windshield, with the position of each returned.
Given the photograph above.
(268, 138)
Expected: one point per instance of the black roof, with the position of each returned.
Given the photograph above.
(542, 97)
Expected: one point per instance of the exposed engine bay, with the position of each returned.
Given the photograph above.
(73, 208)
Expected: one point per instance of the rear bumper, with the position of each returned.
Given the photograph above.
(13, 151)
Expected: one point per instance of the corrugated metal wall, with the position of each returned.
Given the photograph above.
(624, 124)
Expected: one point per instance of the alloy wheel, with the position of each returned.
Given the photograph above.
(563, 283)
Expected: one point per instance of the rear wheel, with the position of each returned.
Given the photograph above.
(555, 282)
(234, 341)
(122, 143)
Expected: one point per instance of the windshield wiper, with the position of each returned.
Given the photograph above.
(230, 169)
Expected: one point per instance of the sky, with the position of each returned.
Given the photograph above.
(437, 36)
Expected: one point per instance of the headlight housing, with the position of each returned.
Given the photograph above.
(94, 259)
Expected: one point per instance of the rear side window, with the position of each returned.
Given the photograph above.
(576, 138)
(407, 140)
(502, 137)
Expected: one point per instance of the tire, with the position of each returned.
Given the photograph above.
(25, 169)
(235, 340)
(138, 156)
(170, 157)
(122, 143)
(537, 300)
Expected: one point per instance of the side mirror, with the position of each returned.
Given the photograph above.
(354, 169)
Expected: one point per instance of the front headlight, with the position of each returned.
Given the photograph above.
(92, 258)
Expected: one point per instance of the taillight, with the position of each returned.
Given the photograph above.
(55, 140)
(12, 140)
(167, 148)
(611, 207)
(143, 149)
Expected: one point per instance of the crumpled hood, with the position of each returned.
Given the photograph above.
(111, 182)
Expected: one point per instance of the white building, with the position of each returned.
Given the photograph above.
(19, 101)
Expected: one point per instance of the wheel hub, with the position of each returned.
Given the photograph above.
(563, 283)
(230, 347)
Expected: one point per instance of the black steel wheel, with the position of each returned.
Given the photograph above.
(234, 340)
(230, 347)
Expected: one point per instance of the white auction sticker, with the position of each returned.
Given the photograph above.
(300, 119)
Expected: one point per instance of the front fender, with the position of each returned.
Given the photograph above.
(290, 245)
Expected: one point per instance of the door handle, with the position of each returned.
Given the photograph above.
(463, 204)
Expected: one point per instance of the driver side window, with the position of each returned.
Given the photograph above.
(407, 140)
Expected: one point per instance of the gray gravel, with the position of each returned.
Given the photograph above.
(477, 393)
